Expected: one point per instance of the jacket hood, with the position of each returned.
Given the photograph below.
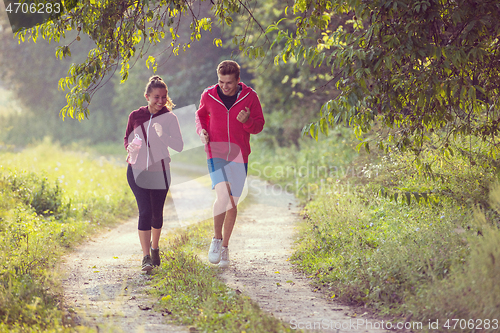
(143, 110)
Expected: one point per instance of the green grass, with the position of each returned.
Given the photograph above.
(433, 257)
(307, 171)
(190, 292)
(384, 232)
(50, 199)
(371, 250)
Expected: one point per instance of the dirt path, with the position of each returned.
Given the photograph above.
(105, 288)
(260, 248)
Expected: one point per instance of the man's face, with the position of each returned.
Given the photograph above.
(228, 84)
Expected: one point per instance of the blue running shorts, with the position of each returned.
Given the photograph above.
(227, 171)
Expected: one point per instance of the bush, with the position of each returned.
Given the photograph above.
(471, 291)
(47, 204)
(402, 238)
(376, 251)
(35, 191)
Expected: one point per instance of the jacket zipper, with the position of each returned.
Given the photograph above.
(147, 143)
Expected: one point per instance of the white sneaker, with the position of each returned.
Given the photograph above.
(214, 253)
(224, 260)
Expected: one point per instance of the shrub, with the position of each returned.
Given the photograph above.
(415, 248)
(469, 299)
(35, 191)
(47, 204)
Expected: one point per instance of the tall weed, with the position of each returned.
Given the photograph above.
(309, 170)
(469, 299)
(36, 191)
(396, 231)
(50, 199)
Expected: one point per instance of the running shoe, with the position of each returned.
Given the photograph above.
(224, 258)
(215, 251)
(155, 257)
(147, 263)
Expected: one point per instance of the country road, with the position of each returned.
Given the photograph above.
(105, 288)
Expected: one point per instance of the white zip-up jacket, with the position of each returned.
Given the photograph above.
(154, 153)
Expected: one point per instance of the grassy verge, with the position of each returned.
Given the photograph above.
(308, 170)
(190, 292)
(432, 257)
(50, 199)
(388, 234)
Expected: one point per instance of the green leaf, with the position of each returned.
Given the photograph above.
(324, 126)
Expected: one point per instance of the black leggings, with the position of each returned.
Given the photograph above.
(149, 201)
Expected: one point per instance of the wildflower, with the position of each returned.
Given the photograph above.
(417, 229)
(371, 224)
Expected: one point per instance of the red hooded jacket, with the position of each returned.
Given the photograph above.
(228, 137)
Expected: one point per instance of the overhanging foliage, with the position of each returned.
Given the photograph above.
(411, 66)
(402, 67)
(122, 32)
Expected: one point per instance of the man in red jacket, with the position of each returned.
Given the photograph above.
(229, 112)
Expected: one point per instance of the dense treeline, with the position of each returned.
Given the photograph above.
(290, 93)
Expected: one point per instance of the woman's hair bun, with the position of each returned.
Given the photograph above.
(155, 78)
(157, 82)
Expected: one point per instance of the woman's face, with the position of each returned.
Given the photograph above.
(156, 99)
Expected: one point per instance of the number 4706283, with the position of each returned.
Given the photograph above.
(33, 8)
(478, 324)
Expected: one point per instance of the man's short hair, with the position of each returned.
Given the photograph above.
(228, 67)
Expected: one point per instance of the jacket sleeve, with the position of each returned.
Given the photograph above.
(202, 117)
(255, 122)
(173, 135)
(128, 130)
